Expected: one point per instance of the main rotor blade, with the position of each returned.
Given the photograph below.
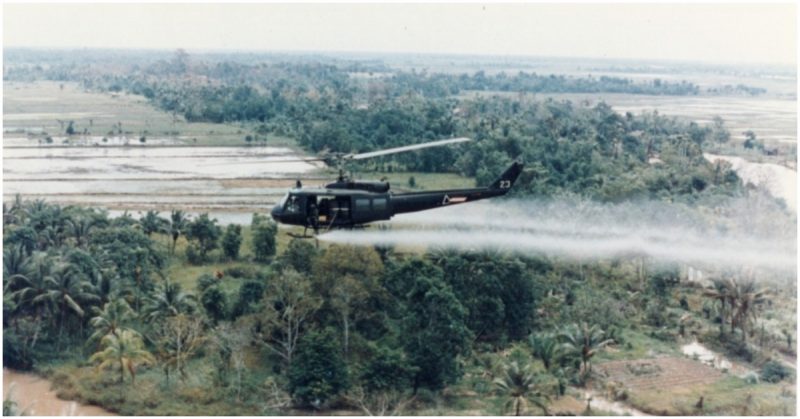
(405, 148)
(254, 158)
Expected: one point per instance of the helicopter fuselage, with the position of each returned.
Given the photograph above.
(340, 206)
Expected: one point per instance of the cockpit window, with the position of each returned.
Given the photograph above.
(292, 205)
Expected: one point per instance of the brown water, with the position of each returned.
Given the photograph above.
(34, 397)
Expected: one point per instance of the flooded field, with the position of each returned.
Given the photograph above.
(152, 163)
(197, 167)
(222, 179)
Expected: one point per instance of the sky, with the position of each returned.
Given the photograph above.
(716, 33)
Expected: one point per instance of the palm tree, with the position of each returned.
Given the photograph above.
(35, 211)
(748, 297)
(152, 223)
(67, 290)
(584, 341)
(518, 383)
(125, 350)
(178, 223)
(546, 348)
(15, 213)
(15, 261)
(168, 300)
(111, 319)
(79, 228)
(29, 288)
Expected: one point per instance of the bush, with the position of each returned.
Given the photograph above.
(387, 369)
(204, 281)
(241, 272)
(751, 378)
(193, 254)
(203, 233)
(232, 241)
(14, 353)
(264, 231)
(774, 372)
(215, 303)
(300, 255)
(250, 294)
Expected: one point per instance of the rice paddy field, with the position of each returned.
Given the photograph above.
(196, 166)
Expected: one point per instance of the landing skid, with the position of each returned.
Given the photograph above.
(301, 236)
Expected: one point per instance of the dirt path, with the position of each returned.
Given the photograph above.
(601, 403)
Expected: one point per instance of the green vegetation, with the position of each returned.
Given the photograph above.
(392, 332)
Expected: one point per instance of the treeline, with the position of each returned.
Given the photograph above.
(444, 85)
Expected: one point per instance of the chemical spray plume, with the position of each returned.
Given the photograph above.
(580, 229)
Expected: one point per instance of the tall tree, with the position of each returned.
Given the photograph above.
(152, 223)
(69, 292)
(288, 305)
(177, 340)
(319, 372)
(205, 232)
(433, 324)
(178, 222)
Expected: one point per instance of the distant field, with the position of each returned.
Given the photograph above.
(34, 108)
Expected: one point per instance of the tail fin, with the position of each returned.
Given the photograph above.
(507, 179)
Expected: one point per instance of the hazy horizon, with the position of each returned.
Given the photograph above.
(725, 34)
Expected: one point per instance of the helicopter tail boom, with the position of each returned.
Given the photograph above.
(419, 201)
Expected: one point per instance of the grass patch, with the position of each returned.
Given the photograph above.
(637, 344)
(728, 396)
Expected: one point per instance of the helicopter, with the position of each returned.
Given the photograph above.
(349, 203)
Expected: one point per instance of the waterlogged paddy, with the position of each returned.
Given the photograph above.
(222, 179)
(152, 163)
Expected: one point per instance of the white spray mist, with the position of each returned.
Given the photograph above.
(737, 234)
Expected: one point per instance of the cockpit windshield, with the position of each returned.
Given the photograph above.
(291, 204)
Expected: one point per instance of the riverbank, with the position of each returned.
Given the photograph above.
(34, 396)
